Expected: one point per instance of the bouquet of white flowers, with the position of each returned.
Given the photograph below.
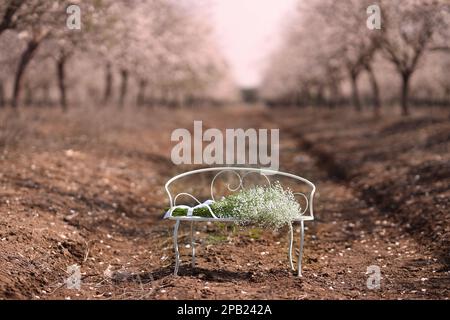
(265, 206)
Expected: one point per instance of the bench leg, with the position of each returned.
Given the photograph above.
(193, 244)
(175, 246)
(291, 242)
(300, 254)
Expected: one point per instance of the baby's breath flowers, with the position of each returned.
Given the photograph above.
(264, 206)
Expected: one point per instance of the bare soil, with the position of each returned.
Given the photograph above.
(86, 188)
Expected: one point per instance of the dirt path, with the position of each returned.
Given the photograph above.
(349, 235)
(112, 230)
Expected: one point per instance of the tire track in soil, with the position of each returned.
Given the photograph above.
(352, 235)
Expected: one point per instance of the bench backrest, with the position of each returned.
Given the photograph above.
(239, 174)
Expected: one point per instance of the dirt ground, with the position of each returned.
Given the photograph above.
(86, 188)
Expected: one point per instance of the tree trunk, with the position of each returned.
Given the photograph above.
(141, 92)
(123, 86)
(8, 17)
(355, 92)
(2, 94)
(60, 66)
(108, 83)
(28, 101)
(319, 99)
(25, 59)
(405, 93)
(375, 91)
(46, 98)
(334, 96)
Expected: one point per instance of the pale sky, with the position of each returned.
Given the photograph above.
(248, 30)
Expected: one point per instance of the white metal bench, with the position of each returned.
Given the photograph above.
(239, 174)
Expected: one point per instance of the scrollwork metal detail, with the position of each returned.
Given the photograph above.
(240, 177)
